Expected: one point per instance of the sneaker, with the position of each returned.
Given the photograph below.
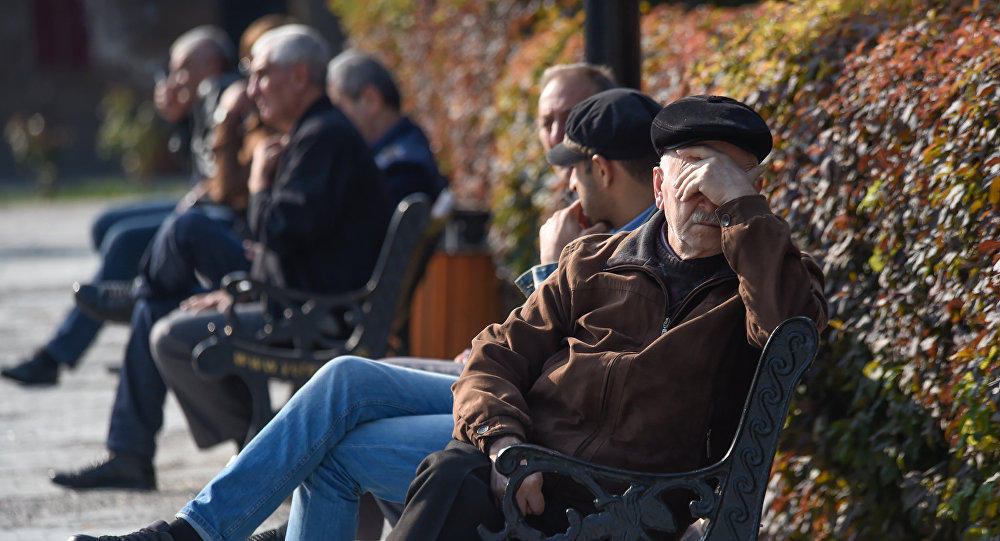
(111, 300)
(157, 531)
(40, 369)
(120, 470)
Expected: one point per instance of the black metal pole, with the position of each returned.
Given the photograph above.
(612, 38)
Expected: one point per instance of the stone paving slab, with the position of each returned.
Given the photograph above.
(43, 249)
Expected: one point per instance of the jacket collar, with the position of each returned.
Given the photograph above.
(401, 128)
(321, 105)
(639, 246)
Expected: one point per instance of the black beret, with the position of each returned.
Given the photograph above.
(613, 123)
(710, 118)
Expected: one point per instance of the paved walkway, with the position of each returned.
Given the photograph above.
(43, 249)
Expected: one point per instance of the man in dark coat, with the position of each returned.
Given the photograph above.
(317, 217)
(365, 91)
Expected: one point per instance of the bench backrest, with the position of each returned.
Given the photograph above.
(406, 229)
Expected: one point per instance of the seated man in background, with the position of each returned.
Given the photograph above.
(365, 91)
(317, 214)
(362, 426)
(200, 65)
(638, 343)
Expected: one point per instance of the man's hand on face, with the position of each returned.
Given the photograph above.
(529, 494)
(265, 158)
(171, 100)
(563, 227)
(712, 173)
(219, 300)
(233, 103)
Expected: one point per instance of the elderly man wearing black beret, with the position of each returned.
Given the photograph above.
(639, 343)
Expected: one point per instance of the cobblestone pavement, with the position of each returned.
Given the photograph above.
(43, 249)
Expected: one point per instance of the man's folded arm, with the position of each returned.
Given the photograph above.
(505, 361)
(294, 211)
(777, 280)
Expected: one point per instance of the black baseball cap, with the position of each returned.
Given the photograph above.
(614, 123)
(695, 119)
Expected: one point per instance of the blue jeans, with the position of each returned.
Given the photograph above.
(357, 426)
(120, 235)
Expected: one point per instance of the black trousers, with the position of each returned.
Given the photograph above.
(451, 496)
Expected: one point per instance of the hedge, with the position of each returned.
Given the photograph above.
(887, 166)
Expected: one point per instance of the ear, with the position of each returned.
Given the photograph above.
(300, 76)
(658, 187)
(756, 175)
(371, 99)
(603, 170)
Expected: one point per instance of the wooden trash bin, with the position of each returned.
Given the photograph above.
(457, 298)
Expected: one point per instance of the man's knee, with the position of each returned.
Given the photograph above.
(453, 463)
(188, 227)
(169, 349)
(123, 238)
(345, 367)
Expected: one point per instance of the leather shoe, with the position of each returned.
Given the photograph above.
(274, 534)
(40, 369)
(120, 470)
(111, 300)
(157, 531)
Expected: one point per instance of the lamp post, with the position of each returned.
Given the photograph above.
(612, 38)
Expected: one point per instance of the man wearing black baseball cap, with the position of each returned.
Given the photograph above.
(637, 353)
(611, 160)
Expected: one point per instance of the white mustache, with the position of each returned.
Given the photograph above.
(702, 217)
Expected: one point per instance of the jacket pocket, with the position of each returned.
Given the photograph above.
(603, 422)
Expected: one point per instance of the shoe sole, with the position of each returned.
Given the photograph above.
(24, 383)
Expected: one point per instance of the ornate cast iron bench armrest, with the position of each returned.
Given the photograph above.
(729, 493)
(305, 319)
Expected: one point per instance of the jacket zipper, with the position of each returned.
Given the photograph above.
(667, 324)
(671, 317)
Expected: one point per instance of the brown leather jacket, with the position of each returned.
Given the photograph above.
(593, 366)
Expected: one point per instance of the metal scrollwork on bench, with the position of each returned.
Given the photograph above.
(729, 493)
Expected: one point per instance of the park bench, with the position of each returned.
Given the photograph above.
(728, 493)
(310, 329)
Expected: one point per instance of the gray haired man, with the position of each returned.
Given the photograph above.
(317, 216)
(365, 91)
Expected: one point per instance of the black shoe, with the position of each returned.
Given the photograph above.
(40, 369)
(157, 531)
(111, 300)
(118, 471)
(276, 534)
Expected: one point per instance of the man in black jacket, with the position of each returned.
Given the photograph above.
(317, 215)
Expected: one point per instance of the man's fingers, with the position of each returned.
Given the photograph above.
(576, 207)
(689, 186)
(687, 171)
(529, 495)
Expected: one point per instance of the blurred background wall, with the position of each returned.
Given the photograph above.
(61, 57)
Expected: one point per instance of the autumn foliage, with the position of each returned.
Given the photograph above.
(886, 116)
